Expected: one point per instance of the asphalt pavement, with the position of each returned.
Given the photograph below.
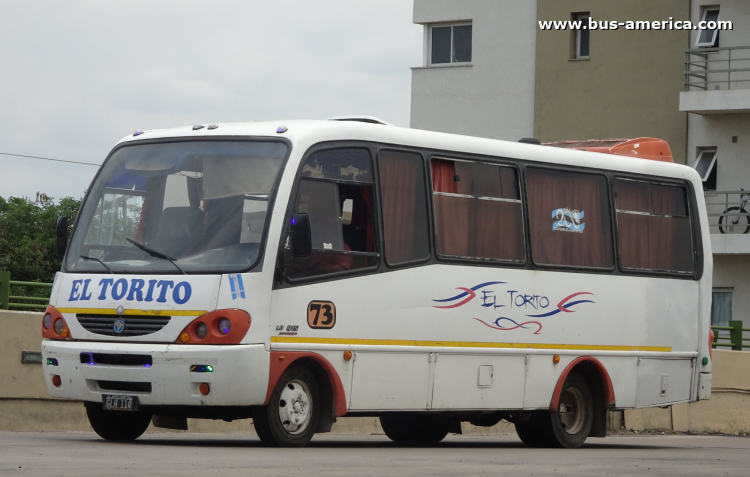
(84, 454)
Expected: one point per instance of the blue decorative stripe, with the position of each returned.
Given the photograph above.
(474, 288)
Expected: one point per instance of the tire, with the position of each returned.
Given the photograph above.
(572, 423)
(415, 428)
(537, 431)
(293, 411)
(727, 227)
(117, 426)
(568, 428)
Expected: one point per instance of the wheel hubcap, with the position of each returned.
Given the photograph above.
(294, 407)
(572, 411)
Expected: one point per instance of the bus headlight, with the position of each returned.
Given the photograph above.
(226, 326)
(54, 326)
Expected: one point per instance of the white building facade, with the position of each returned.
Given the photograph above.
(490, 92)
(717, 98)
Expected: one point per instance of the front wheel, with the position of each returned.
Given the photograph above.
(738, 222)
(291, 416)
(117, 426)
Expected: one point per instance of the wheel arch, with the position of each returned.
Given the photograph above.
(598, 379)
(332, 395)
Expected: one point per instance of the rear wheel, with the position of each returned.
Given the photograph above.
(415, 428)
(117, 426)
(291, 416)
(569, 426)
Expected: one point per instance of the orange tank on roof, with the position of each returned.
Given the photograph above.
(641, 148)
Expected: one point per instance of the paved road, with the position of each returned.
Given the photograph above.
(83, 454)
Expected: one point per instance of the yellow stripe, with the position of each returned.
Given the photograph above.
(463, 344)
(109, 311)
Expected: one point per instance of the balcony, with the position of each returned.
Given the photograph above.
(717, 81)
(729, 221)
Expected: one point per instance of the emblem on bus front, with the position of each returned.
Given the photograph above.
(119, 326)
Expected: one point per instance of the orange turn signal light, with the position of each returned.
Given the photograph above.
(348, 355)
(556, 358)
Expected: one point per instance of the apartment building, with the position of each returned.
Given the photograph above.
(489, 70)
(716, 97)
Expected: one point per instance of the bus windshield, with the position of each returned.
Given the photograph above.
(202, 204)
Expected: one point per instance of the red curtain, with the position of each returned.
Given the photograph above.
(471, 227)
(548, 191)
(398, 176)
(451, 213)
(660, 240)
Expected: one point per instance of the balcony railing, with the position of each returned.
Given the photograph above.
(723, 68)
(728, 211)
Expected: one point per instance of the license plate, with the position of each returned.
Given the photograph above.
(120, 403)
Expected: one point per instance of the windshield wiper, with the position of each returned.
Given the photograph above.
(97, 260)
(155, 253)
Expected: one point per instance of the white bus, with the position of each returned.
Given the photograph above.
(299, 272)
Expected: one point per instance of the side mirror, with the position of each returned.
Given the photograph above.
(62, 236)
(301, 236)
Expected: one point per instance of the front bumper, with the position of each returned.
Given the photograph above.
(239, 377)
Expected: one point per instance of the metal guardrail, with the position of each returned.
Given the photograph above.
(21, 302)
(728, 211)
(734, 339)
(717, 68)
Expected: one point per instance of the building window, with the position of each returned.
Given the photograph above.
(709, 38)
(721, 307)
(581, 36)
(403, 192)
(707, 167)
(569, 219)
(450, 43)
(653, 226)
(478, 211)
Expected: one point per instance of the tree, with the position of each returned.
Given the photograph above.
(28, 245)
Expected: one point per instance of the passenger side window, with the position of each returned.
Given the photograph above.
(653, 226)
(478, 210)
(402, 188)
(569, 219)
(336, 192)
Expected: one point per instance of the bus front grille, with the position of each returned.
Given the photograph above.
(125, 325)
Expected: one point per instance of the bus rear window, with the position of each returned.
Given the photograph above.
(569, 219)
(653, 227)
(478, 211)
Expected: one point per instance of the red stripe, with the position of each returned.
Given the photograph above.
(470, 297)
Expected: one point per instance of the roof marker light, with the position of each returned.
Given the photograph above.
(137, 132)
(213, 126)
(281, 129)
(198, 126)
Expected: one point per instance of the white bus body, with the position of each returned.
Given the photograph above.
(434, 333)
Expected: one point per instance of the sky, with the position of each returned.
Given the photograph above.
(77, 76)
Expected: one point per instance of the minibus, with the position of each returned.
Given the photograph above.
(299, 272)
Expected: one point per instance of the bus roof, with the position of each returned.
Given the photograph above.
(305, 133)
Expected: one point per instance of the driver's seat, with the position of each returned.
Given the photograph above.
(179, 229)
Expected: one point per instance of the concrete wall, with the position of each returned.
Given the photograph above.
(727, 411)
(26, 406)
(494, 97)
(630, 85)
